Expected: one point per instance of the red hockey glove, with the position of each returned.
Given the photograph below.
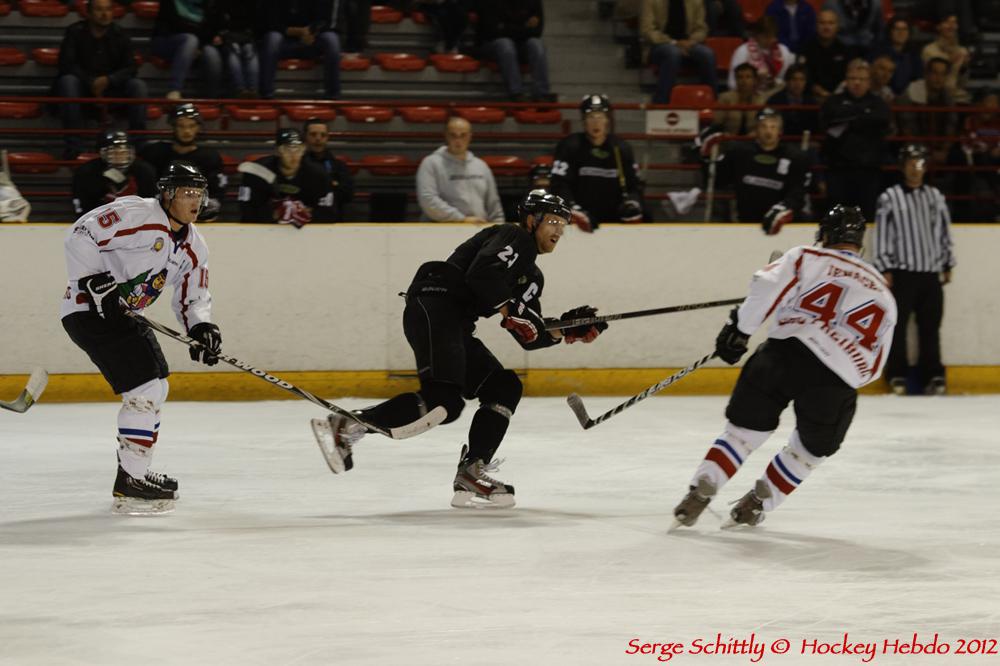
(776, 217)
(583, 332)
(292, 211)
(524, 323)
(581, 219)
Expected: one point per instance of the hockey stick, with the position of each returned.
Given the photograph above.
(565, 323)
(576, 402)
(426, 422)
(32, 392)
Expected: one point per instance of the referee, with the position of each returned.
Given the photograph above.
(913, 250)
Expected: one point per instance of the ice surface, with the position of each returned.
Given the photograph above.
(269, 559)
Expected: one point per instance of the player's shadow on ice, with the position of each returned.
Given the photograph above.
(466, 519)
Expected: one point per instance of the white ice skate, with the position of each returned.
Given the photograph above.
(335, 436)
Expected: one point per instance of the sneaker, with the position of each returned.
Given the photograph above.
(749, 510)
(898, 385)
(697, 499)
(475, 489)
(139, 497)
(936, 386)
(335, 436)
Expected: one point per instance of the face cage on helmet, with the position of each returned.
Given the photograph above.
(108, 151)
(170, 192)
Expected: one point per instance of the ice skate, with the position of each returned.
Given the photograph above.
(335, 436)
(689, 510)
(936, 386)
(164, 481)
(897, 385)
(749, 509)
(139, 497)
(474, 489)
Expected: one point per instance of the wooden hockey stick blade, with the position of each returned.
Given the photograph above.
(583, 321)
(37, 382)
(575, 403)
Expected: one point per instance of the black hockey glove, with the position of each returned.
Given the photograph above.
(731, 343)
(211, 343)
(630, 211)
(523, 323)
(103, 292)
(583, 332)
(776, 217)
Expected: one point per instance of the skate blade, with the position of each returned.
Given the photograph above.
(324, 439)
(673, 528)
(464, 499)
(131, 506)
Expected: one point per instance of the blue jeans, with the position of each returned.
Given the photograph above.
(181, 50)
(276, 46)
(243, 66)
(70, 85)
(505, 51)
(669, 58)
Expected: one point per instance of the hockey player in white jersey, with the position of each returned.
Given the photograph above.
(833, 318)
(120, 256)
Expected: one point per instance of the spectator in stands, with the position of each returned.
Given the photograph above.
(947, 48)
(766, 54)
(883, 69)
(116, 173)
(299, 29)
(354, 18)
(511, 30)
(450, 18)
(856, 123)
(183, 147)
(13, 207)
(540, 177)
(96, 59)
(725, 18)
(185, 31)
(932, 90)
(239, 48)
(740, 121)
(825, 56)
(331, 207)
(796, 121)
(860, 21)
(453, 185)
(595, 172)
(983, 185)
(282, 188)
(796, 22)
(897, 45)
(673, 32)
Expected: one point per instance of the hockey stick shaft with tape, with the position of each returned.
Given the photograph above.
(640, 313)
(37, 382)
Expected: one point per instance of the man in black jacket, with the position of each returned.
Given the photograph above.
(184, 32)
(492, 272)
(331, 207)
(96, 60)
(283, 187)
(116, 173)
(856, 123)
(299, 29)
(509, 31)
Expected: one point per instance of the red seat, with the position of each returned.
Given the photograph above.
(83, 158)
(424, 114)
(542, 159)
(46, 55)
(454, 62)
(43, 8)
(692, 96)
(753, 10)
(303, 112)
(32, 163)
(400, 62)
(419, 18)
(229, 163)
(724, 47)
(209, 112)
(354, 62)
(351, 165)
(481, 114)
(506, 165)
(4, 9)
(20, 110)
(11, 56)
(384, 14)
(253, 157)
(146, 9)
(538, 116)
(117, 11)
(292, 64)
(252, 113)
(367, 114)
(389, 165)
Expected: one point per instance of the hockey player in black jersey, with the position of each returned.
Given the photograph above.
(492, 272)
(283, 187)
(331, 207)
(596, 172)
(116, 173)
(183, 147)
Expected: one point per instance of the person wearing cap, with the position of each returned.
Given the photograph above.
(913, 251)
(331, 207)
(673, 33)
(116, 173)
(282, 188)
(183, 147)
(595, 171)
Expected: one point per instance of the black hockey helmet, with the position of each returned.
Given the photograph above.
(540, 171)
(594, 102)
(187, 110)
(767, 113)
(287, 136)
(540, 203)
(115, 149)
(912, 151)
(843, 224)
(182, 174)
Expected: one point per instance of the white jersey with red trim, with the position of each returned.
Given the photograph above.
(837, 304)
(131, 239)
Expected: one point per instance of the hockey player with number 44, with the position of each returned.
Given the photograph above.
(832, 329)
(120, 257)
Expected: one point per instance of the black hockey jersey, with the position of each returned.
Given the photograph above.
(592, 177)
(331, 207)
(258, 197)
(95, 183)
(208, 160)
(762, 178)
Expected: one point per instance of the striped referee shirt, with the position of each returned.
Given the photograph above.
(913, 231)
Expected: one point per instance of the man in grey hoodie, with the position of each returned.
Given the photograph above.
(453, 185)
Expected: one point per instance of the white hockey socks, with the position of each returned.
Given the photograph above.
(729, 451)
(139, 425)
(788, 469)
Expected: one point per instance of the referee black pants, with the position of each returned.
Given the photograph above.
(921, 294)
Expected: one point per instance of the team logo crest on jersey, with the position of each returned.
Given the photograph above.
(158, 245)
(141, 291)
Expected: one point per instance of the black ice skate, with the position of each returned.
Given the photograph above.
(474, 489)
(936, 386)
(335, 436)
(687, 512)
(749, 509)
(164, 481)
(139, 497)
